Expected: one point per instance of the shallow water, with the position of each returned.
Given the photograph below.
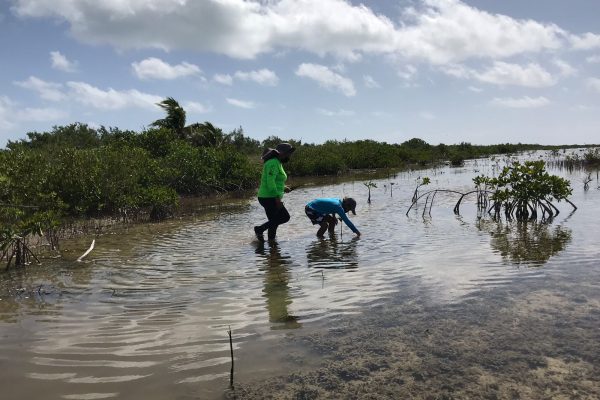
(147, 313)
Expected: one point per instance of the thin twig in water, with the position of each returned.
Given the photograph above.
(231, 351)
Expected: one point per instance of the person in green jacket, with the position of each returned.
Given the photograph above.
(272, 187)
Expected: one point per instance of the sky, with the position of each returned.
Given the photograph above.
(445, 71)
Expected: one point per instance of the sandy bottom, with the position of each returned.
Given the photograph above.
(538, 344)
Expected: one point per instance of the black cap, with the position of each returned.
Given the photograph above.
(350, 203)
(285, 148)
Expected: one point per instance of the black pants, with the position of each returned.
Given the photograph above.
(276, 216)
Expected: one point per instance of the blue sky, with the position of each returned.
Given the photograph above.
(446, 71)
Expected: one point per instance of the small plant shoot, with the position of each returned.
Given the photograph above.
(369, 185)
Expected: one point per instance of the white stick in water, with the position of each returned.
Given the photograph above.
(88, 250)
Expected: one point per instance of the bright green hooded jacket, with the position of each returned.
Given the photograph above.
(272, 181)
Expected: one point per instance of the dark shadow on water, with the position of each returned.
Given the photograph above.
(332, 253)
(276, 289)
(526, 243)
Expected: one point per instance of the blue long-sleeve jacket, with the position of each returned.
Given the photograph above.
(332, 206)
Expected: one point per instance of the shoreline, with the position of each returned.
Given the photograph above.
(76, 230)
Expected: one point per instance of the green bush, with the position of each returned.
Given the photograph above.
(161, 202)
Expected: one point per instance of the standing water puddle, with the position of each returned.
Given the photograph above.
(146, 316)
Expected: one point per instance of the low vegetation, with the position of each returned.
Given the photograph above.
(76, 171)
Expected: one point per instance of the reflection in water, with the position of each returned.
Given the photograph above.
(527, 242)
(276, 286)
(332, 253)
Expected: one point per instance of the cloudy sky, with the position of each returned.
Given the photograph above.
(482, 71)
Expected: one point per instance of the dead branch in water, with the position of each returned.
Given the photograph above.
(88, 251)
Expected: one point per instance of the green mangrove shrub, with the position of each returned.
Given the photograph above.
(524, 191)
(521, 191)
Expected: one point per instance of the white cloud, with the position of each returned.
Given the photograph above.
(196, 108)
(263, 77)
(339, 113)
(46, 90)
(436, 31)
(327, 78)
(523, 102)
(370, 82)
(407, 72)
(241, 103)
(531, 75)
(565, 68)
(586, 41)
(87, 94)
(458, 71)
(41, 114)
(6, 112)
(61, 62)
(223, 79)
(447, 31)
(111, 99)
(594, 84)
(11, 114)
(155, 68)
(593, 59)
(475, 89)
(339, 67)
(504, 74)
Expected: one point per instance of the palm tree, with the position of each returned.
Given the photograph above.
(175, 119)
(207, 135)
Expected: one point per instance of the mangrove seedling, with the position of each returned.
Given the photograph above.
(586, 181)
(369, 185)
(422, 182)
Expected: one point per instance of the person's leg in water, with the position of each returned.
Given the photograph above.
(281, 217)
(328, 223)
(276, 216)
(322, 229)
(332, 223)
(270, 209)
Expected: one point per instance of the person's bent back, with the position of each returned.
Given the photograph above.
(321, 212)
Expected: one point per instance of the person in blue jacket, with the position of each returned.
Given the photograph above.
(322, 212)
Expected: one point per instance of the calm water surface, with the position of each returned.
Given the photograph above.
(147, 314)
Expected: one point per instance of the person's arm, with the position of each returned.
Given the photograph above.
(347, 221)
